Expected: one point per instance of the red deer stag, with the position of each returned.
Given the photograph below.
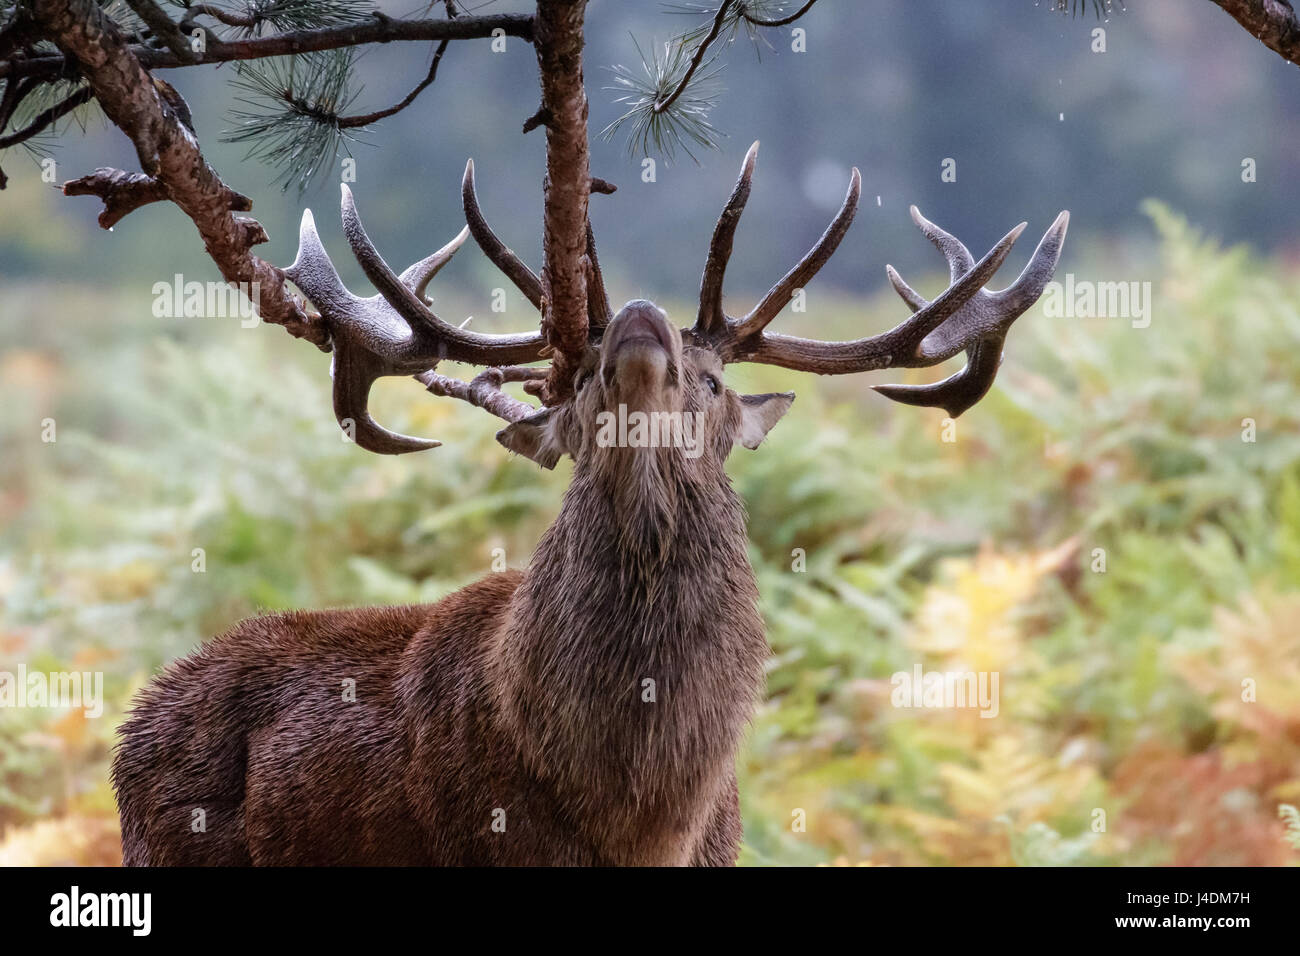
(510, 723)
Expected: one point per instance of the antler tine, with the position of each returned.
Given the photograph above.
(599, 312)
(979, 329)
(896, 348)
(354, 371)
(433, 339)
(712, 320)
(992, 313)
(313, 271)
(956, 393)
(915, 301)
(954, 250)
(780, 294)
(392, 333)
(1033, 279)
(525, 280)
(416, 276)
(399, 295)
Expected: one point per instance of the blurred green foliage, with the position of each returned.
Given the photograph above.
(1121, 690)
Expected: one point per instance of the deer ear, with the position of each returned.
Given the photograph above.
(533, 437)
(758, 413)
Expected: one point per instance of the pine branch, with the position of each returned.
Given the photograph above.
(227, 17)
(293, 111)
(295, 114)
(46, 118)
(669, 100)
(779, 21)
(376, 29)
(673, 128)
(697, 58)
(286, 15)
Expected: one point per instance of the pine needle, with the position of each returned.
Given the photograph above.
(682, 124)
(293, 106)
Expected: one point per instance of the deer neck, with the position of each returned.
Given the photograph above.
(634, 649)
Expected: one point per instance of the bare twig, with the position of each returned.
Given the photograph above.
(351, 122)
(124, 192)
(484, 390)
(540, 118)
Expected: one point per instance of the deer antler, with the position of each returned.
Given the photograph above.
(392, 333)
(964, 318)
(525, 279)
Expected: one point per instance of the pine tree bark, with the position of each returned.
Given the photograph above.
(558, 36)
(1272, 22)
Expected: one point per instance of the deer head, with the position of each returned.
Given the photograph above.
(638, 361)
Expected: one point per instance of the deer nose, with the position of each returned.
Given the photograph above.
(641, 321)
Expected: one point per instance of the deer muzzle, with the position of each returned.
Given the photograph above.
(640, 353)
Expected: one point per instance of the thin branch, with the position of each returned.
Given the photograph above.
(350, 122)
(163, 28)
(170, 154)
(696, 58)
(48, 117)
(229, 17)
(377, 30)
(779, 21)
(1272, 22)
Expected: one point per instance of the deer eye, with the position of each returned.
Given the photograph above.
(712, 382)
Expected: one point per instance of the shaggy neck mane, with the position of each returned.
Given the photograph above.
(634, 649)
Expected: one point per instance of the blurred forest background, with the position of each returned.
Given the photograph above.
(1121, 690)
